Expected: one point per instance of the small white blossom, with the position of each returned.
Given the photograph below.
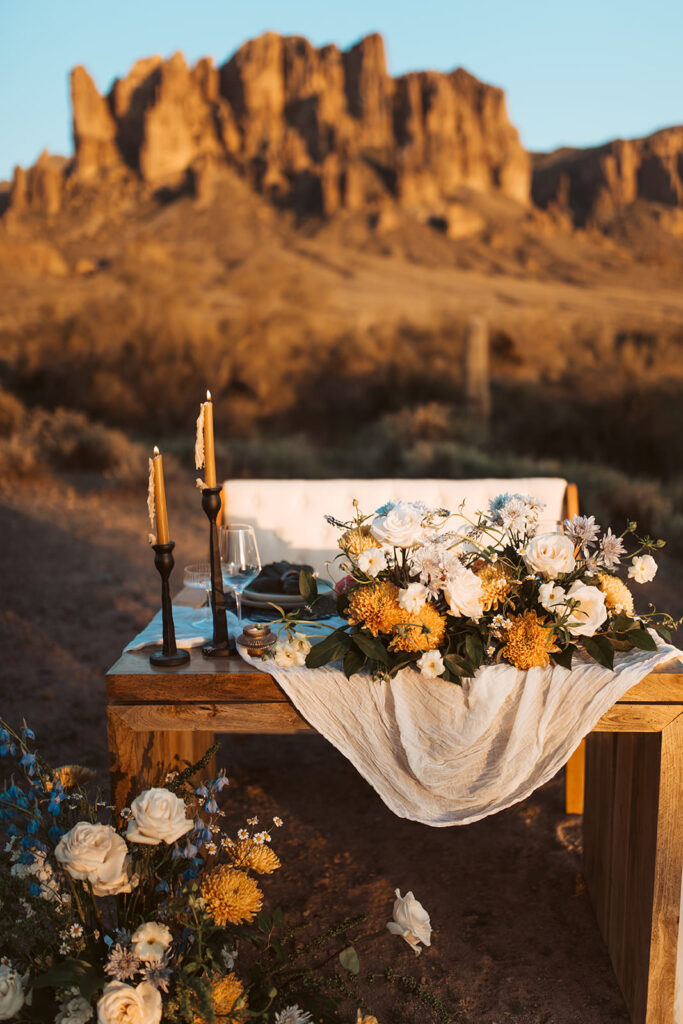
(611, 549)
(431, 664)
(412, 598)
(293, 1015)
(643, 569)
(278, 822)
(372, 561)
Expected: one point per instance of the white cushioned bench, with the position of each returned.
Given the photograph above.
(288, 515)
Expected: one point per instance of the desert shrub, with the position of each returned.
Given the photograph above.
(11, 413)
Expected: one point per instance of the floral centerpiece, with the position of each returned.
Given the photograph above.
(448, 593)
(158, 914)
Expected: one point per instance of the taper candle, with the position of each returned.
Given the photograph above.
(209, 451)
(161, 515)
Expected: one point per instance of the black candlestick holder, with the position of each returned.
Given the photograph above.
(222, 645)
(169, 655)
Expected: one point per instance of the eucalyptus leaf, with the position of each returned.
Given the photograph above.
(331, 648)
(642, 639)
(600, 649)
(474, 649)
(308, 587)
(564, 658)
(348, 958)
(353, 661)
(373, 647)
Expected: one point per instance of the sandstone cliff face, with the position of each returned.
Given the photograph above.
(591, 184)
(318, 129)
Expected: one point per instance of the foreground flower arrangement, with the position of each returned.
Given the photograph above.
(447, 593)
(159, 915)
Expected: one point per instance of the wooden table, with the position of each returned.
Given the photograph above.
(633, 817)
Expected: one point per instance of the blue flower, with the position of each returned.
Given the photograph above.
(28, 762)
(26, 857)
(27, 734)
(34, 889)
(55, 833)
(32, 826)
(201, 791)
(211, 806)
(163, 887)
(219, 783)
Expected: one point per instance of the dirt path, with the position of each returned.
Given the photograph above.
(515, 938)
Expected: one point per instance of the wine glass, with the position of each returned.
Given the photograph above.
(198, 577)
(240, 559)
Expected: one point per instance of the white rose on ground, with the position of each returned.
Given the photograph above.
(401, 526)
(431, 664)
(150, 941)
(590, 613)
(157, 815)
(464, 594)
(412, 597)
(550, 554)
(96, 854)
(12, 996)
(643, 569)
(372, 561)
(551, 595)
(410, 921)
(128, 1004)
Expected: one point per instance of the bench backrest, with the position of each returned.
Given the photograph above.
(288, 515)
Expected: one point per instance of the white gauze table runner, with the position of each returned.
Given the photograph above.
(442, 754)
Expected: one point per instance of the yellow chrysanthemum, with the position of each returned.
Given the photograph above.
(618, 597)
(363, 1018)
(257, 856)
(412, 637)
(374, 607)
(354, 542)
(71, 775)
(227, 996)
(529, 642)
(496, 584)
(231, 896)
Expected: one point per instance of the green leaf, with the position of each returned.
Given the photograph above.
(70, 973)
(348, 958)
(641, 639)
(331, 648)
(278, 917)
(264, 923)
(600, 649)
(354, 661)
(474, 649)
(564, 658)
(664, 633)
(277, 946)
(372, 646)
(622, 622)
(454, 665)
(308, 588)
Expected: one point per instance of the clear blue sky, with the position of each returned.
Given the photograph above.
(575, 73)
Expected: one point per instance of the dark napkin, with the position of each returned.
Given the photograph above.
(278, 578)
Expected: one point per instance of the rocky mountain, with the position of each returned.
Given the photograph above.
(314, 129)
(592, 184)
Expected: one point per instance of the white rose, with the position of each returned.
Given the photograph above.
(590, 613)
(411, 921)
(11, 992)
(551, 595)
(157, 815)
(464, 594)
(401, 526)
(96, 854)
(643, 569)
(150, 941)
(76, 1011)
(125, 1004)
(412, 597)
(431, 664)
(372, 561)
(550, 554)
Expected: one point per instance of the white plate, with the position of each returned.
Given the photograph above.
(260, 599)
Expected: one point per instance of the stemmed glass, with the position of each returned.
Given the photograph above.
(240, 559)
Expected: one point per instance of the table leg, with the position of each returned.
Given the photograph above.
(633, 860)
(574, 780)
(139, 758)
